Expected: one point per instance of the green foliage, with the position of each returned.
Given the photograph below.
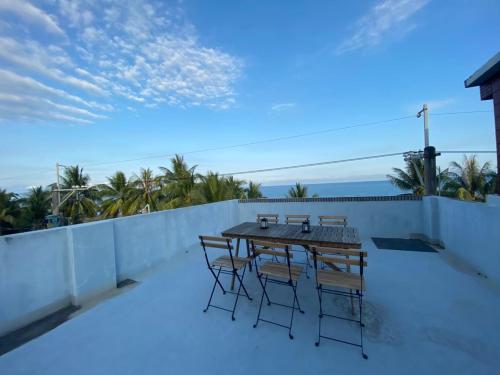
(80, 204)
(411, 178)
(179, 186)
(465, 181)
(35, 207)
(9, 211)
(115, 196)
(253, 191)
(298, 191)
(469, 180)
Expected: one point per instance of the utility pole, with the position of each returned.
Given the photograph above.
(58, 186)
(430, 184)
(425, 111)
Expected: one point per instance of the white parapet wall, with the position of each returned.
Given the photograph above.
(44, 271)
(381, 218)
(470, 230)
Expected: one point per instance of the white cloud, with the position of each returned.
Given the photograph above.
(34, 57)
(32, 14)
(386, 18)
(280, 107)
(115, 54)
(13, 83)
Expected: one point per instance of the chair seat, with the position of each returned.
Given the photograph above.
(225, 261)
(281, 270)
(341, 279)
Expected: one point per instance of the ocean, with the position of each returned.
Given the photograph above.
(338, 189)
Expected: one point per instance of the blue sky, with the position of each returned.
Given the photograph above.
(97, 82)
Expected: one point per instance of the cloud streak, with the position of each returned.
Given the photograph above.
(280, 107)
(383, 20)
(32, 14)
(125, 54)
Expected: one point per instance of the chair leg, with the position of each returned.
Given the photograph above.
(320, 316)
(217, 279)
(291, 318)
(361, 325)
(213, 289)
(308, 265)
(294, 287)
(240, 280)
(352, 302)
(248, 255)
(264, 288)
(261, 300)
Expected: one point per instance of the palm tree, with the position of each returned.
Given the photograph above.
(145, 192)
(213, 188)
(36, 206)
(253, 190)
(411, 178)
(469, 180)
(115, 195)
(178, 184)
(80, 204)
(9, 211)
(235, 188)
(298, 191)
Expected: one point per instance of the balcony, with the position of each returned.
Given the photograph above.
(431, 313)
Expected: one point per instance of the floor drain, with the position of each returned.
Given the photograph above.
(125, 283)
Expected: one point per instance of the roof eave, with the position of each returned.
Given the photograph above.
(484, 73)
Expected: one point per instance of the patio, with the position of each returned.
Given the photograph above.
(425, 313)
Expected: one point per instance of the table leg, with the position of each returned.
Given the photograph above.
(236, 254)
(248, 255)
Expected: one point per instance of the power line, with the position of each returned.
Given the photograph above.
(277, 139)
(269, 140)
(459, 113)
(469, 152)
(314, 164)
(345, 161)
(283, 138)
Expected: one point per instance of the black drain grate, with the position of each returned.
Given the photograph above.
(402, 244)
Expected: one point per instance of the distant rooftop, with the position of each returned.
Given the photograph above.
(484, 73)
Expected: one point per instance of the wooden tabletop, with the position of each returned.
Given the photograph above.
(326, 236)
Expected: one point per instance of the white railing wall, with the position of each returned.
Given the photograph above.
(43, 271)
(373, 218)
(470, 230)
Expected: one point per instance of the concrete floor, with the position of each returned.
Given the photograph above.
(425, 313)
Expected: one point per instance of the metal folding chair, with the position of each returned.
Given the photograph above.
(343, 282)
(225, 264)
(298, 220)
(276, 273)
(271, 219)
(332, 220)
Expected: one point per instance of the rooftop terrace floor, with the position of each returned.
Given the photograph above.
(426, 313)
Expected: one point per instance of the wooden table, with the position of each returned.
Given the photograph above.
(323, 236)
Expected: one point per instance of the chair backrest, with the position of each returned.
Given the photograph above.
(296, 219)
(272, 248)
(347, 257)
(216, 243)
(332, 220)
(271, 218)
